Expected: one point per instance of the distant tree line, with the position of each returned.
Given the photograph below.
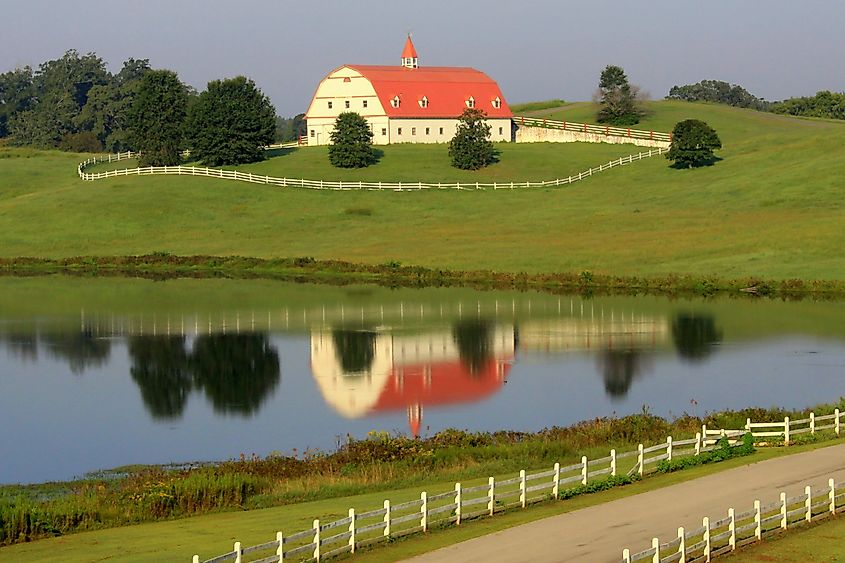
(825, 104)
(74, 103)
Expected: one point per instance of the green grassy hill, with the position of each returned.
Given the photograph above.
(773, 207)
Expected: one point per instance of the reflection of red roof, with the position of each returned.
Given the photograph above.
(448, 382)
(447, 90)
(409, 52)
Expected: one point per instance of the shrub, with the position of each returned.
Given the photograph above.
(352, 142)
(693, 143)
(81, 142)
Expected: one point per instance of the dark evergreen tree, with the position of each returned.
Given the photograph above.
(471, 148)
(617, 98)
(693, 143)
(351, 142)
(17, 94)
(157, 118)
(230, 123)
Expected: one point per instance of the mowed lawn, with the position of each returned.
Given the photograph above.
(773, 207)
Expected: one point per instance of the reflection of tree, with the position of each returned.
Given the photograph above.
(81, 349)
(22, 344)
(355, 350)
(619, 369)
(237, 371)
(161, 369)
(694, 336)
(474, 338)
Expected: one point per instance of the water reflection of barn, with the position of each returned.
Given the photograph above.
(362, 373)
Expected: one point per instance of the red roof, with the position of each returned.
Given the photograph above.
(446, 88)
(409, 52)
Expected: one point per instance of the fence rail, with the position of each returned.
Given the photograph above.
(452, 507)
(607, 131)
(340, 185)
(738, 529)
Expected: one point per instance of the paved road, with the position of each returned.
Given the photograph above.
(599, 533)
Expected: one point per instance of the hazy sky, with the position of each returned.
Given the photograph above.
(535, 49)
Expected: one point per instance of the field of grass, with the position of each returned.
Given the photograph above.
(820, 543)
(771, 208)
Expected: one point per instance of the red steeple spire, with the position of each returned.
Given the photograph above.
(409, 54)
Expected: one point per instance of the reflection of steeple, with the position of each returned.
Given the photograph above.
(411, 372)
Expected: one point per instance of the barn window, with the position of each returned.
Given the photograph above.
(427, 130)
(441, 130)
(395, 101)
(399, 131)
(383, 132)
(424, 102)
(365, 103)
(497, 103)
(413, 130)
(346, 104)
(470, 102)
(500, 130)
(312, 133)
(330, 105)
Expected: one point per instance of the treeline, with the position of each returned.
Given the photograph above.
(74, 103)
(825, 104)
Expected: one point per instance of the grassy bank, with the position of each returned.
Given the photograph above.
(163, 265)
(822, 542)
(771, 208)
(380, 463)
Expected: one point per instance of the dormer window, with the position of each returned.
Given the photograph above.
(395, 102)
(497, 103)
(470, 102)
(424, 102)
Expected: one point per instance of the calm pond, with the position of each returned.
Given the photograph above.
(100, 373)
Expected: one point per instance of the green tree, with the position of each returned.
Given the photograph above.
(230, 123)
(351, 142)
(61, 89)
(106, 113)
(17, 94)
(693, 143)
(157, 118)
(617, 98)
(719, 92)
(290, 128)
(471, 148)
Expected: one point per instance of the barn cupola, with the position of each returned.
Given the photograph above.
(409, 55)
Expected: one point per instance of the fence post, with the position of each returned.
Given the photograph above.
(491, 504)
(583, 470)
(809, 503)
(458, 499)
(387, 518)
(280, 551)
(748, 425)
(836, 422)
(812, 423)
(832, 496)
(239, 553)
(640, 459)
(556, 484)
(706, 523)
(697, 443)
(732, 529)
(783, 520)
(317, 539)
(682, 545)
(703, 435)
(196, 559)
(786, 431)
(626, 556)
(424, 511)
(613, 463)
(758, 527)
(352, 530)
(669, 448)
(655, 543)
(522, 494)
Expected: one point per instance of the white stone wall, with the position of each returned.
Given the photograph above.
(543, 135)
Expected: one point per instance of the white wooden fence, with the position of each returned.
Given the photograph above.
(327, 185)
(739, 529)
(451, 507)
(594, 129)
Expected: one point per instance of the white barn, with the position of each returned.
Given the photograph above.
(407, 103)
